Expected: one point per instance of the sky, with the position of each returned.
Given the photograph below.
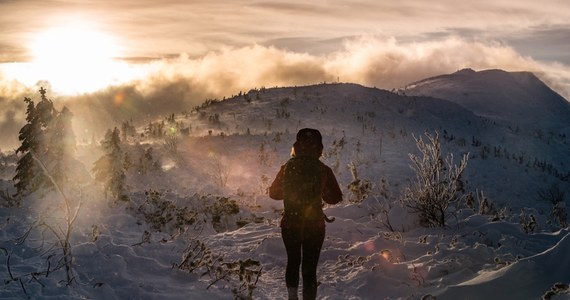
(174, 54)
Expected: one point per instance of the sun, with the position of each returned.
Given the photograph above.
(75, 58)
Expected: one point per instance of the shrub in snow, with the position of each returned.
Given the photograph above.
(552, 194)
(556, 290)
(380, 211)
(485, 206)
(162, 214)
(438, 183)
(359, 188)
(555, 195)
(501, 214)
(220, 209)
(384, 210)
(48, 238)
(241, 275)
(245, 273)
(528, 221)
(559, 214)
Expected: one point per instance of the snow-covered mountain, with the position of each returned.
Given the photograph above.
(516, 97)
(379, 125)
(192, 163)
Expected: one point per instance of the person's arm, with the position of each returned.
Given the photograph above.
(276, 188)
(331, 191)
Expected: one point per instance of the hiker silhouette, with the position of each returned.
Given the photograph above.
(303, 183)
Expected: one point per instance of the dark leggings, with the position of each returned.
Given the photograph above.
(303, 247)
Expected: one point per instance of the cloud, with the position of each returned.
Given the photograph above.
(387, 63)
(172, 85)
(151, 28)
(372, 61)
(533, 41)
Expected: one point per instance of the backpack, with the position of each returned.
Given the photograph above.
(302, 185)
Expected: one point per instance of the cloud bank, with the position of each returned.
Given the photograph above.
(172, 85)
(371, 61)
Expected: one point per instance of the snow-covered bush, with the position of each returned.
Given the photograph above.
(359, 188)
(552, 194)
(556, 196)
(162, 214)
(383, 206)
(438, 183)
(559, 214)
(220, 209)
(557, 289)
(241, 275)
(528, 221)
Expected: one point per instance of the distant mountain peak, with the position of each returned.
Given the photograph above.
(516, 97)
(465, 71)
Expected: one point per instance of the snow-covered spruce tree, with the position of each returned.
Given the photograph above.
(61, 146)
(438, 183)
(29, 136)
(109, 169)
(33, 136)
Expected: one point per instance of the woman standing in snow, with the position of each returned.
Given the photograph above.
(304, 182)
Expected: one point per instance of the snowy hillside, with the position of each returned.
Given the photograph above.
(198, 223)
(377, 128)
(519, 98)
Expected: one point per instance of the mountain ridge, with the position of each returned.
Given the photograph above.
(519, 98)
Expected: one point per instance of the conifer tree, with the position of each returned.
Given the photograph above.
(29, 176)
(29, 135)
(109, 168)
(61, 145)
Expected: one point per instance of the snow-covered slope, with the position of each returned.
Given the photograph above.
(378, 128)
(232, 149)
(517, 97)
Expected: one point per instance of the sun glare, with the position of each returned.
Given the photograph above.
(75, 58)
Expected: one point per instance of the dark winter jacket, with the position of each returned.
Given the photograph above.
(303, 183)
